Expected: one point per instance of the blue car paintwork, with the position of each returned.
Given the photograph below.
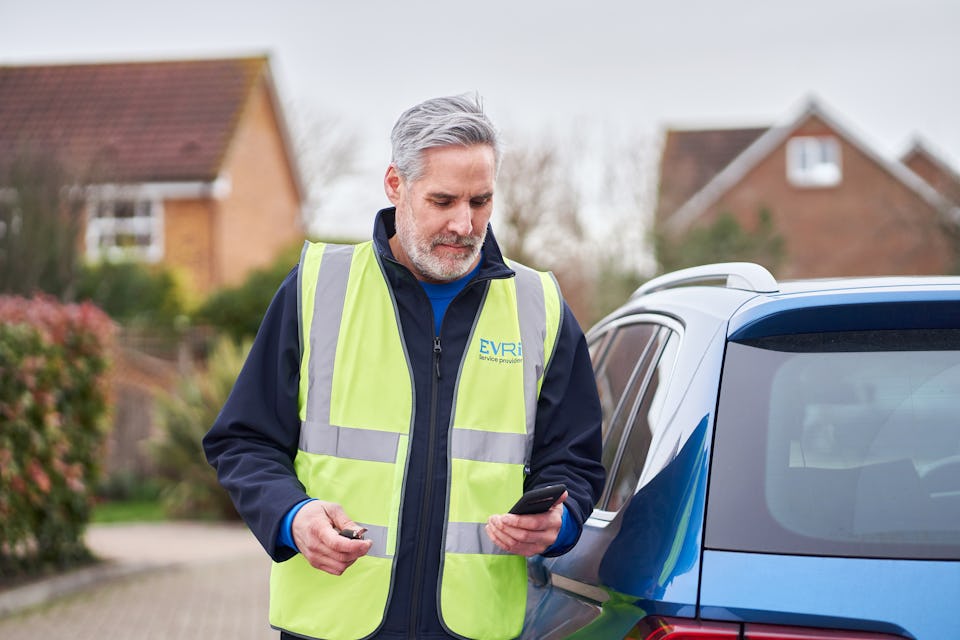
(847, 310)
(647, 560)
(655, 553)
(914, 598)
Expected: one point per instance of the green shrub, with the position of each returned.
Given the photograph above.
(189, 486)
(723, 240)
(53, 403)
(237, 311)
(134, 294)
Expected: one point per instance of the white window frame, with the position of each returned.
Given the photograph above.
(814, 161)
(104, 229)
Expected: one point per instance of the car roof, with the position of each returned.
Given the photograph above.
(745, 293)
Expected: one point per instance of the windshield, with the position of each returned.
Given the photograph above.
(841, 443)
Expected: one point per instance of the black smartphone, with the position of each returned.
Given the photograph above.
(538, 500)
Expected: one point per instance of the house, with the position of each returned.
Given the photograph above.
(187, 163)
(840, 208)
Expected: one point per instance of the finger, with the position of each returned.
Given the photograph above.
(336, 558)
(500, 538)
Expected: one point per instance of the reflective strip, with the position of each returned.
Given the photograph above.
(488, 446)
(378, 535)
(324, 333)
(347, 442)
(470, 537)
(533, 331)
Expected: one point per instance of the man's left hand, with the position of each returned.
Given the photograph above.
(527, 535)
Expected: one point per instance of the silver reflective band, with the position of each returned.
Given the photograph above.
(378, 535)
(470, 537)
(488, 446)
(348, 442)
(324, 333)
(533, 331)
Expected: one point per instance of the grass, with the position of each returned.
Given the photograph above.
(145, 510)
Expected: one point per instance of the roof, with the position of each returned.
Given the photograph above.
(692, 157)
(128, 122)
(679, 217)
(931, 167)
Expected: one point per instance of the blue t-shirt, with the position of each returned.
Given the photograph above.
(441, 294)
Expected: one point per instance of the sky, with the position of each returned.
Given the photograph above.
(887, 69)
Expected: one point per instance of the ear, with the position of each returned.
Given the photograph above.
(392, 185)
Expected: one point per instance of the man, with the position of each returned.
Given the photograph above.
(409, 389)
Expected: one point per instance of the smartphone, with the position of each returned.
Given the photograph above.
(538, 500)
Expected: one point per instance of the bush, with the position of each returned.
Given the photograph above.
(189, 486)
(238, 311)
(723, 240)
(53, 404)
(134, 294)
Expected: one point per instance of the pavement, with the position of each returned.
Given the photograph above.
(164, 580)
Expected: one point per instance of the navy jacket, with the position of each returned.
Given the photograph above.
(254, 439)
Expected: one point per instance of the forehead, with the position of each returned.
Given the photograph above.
(457, 168)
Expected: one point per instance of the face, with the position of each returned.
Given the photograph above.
(442, 217)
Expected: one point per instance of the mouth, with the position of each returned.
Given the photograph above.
(460, 245)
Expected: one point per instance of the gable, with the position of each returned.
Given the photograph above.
(813, 120)
(168, 121)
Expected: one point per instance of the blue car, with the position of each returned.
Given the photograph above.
(783, 462)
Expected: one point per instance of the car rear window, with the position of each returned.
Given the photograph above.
(843, 444)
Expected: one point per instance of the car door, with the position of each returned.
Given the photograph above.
(633, 361)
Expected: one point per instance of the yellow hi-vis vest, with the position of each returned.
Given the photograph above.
(356, 409)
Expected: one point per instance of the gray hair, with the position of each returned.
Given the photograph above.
(440, 122)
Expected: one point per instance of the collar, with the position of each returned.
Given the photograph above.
(492, 264)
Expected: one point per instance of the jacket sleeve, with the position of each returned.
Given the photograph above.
(567, 440)
(254, 439)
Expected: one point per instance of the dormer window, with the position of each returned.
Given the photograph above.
(813, 161)
(125, 229)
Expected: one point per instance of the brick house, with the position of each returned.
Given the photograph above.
(840, 207)
(187, 163)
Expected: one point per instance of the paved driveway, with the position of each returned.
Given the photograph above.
(168, 581)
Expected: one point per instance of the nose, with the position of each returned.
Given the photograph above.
(461, 219)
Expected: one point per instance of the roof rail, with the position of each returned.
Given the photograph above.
(735, 275)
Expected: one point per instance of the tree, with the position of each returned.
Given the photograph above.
(537, 205)
(724, 240)
(578, 205)
(327, 151)
(41, 216)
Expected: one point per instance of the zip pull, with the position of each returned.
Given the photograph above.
(436, 354)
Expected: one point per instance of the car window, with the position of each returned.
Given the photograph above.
(644, 420)
(615, 427)
(839, 444)
(597, 348)
(627, 345)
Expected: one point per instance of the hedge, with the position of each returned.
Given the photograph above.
(53, 406)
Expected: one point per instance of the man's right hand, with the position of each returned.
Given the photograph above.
(316, 530)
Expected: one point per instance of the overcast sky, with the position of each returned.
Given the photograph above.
(888, 69)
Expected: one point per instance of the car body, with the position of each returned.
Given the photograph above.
(783, 461)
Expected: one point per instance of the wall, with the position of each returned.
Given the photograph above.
(261, 215)
(188, 240)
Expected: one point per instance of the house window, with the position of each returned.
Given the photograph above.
(125, 229)
(813, 161)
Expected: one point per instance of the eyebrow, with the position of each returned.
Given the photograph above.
(442, 194)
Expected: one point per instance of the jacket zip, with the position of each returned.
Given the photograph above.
(427, 495)
(417, 595)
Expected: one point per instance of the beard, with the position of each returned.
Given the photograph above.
(430, 265)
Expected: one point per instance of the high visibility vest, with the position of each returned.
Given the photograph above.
(356, 406)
